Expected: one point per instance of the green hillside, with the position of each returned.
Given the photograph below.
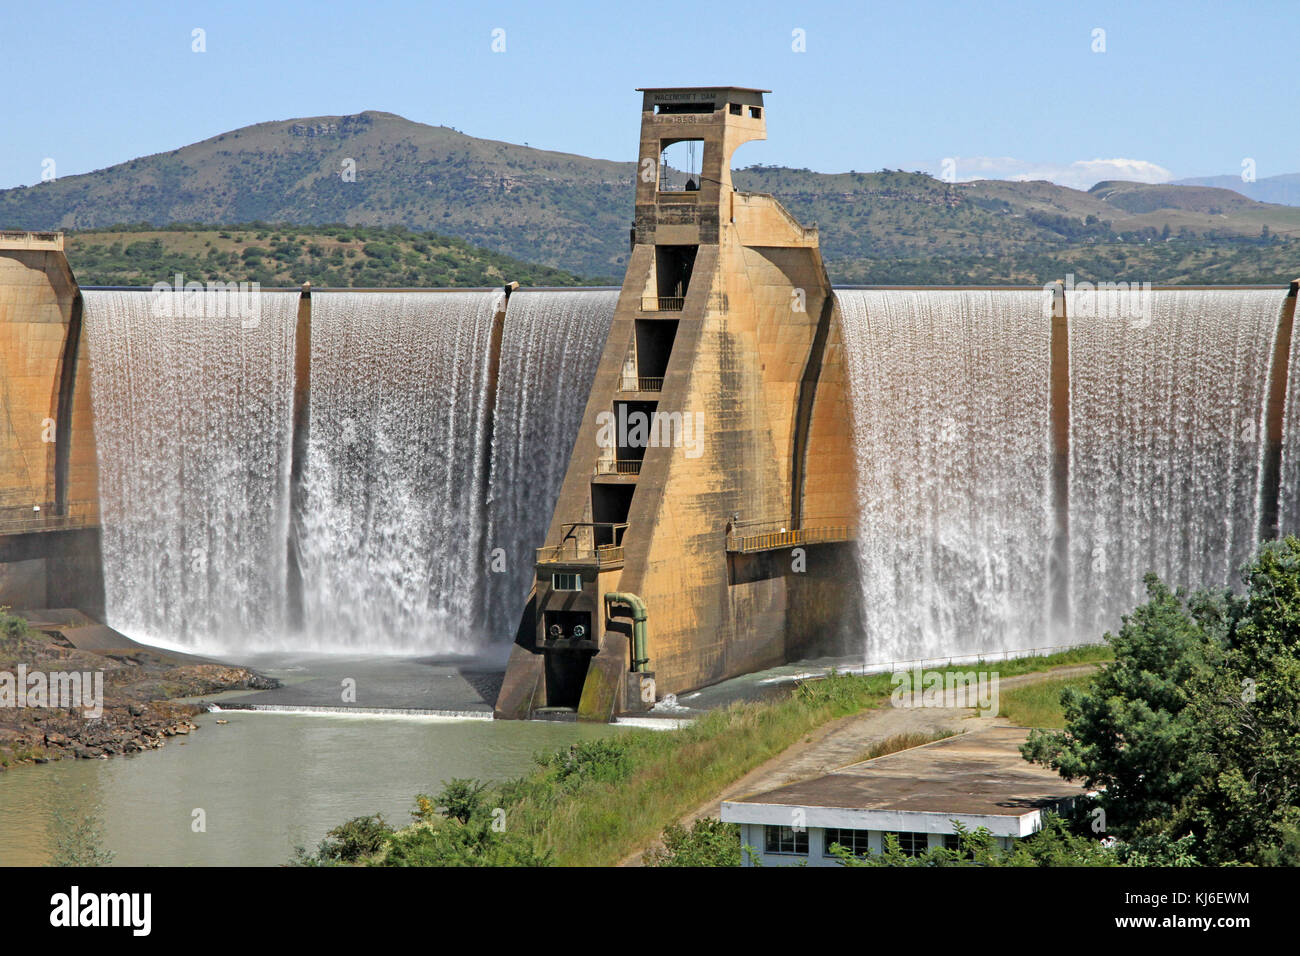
(342, 256)
(572, 213)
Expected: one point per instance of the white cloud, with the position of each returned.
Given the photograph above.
(1081, 174)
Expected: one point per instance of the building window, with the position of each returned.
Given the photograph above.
(755, 112)
(735, 109)
(912, 844)
(951, 842)
(566, 582)
(786, 840)
(855, 841)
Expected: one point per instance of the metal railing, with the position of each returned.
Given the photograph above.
(640, 384)
(580, 545)
(662, 303)
(602, 556)
(80, 514)
(793, 538)
(618, 466)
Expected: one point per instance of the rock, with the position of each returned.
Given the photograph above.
(135, 710)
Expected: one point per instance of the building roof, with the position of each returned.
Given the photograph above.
(979, 778)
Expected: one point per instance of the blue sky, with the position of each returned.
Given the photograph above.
(1002, 88)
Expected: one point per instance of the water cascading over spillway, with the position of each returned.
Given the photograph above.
(393, 516)
(1167, 403)
(549, 353)
(405, 501)
(952, 436)
(1288, 503)
(192, 396)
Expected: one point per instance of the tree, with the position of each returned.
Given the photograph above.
(1193, 733)
(1131, 735)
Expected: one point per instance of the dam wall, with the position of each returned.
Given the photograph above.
(49, 549)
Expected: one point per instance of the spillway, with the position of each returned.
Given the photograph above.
(952, 437)
(432, 461)
(392, 516)
(192, 395)
(952, 424)
(1167, 396)
(549, 353)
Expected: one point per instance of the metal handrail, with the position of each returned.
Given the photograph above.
(618, 466)
(79, 514)
(772, 540)
(662, 303)
(602, 556)
(640, 384)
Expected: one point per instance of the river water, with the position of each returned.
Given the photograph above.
(266, 782)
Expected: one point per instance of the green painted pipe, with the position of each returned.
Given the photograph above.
(639, 616)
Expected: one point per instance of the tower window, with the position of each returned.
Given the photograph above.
(756, 112)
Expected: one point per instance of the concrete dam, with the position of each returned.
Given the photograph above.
(723, 465)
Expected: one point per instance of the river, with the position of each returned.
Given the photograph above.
(266, 782)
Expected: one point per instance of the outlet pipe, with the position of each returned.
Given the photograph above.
(639, 616)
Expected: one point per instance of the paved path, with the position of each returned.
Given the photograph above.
(846, 740)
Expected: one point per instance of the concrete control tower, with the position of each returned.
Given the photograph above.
(703, 527)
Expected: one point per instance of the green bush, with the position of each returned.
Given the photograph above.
(709, 842)
(79, 840)
(349, 842)
(461, 800)
(606, 760)
(12, 627)
(455, 844)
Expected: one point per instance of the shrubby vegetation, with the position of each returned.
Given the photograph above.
(1193, 734)
(596, 802)
(281, 255)
(79, 840)
(708, 842)
(1191, 738)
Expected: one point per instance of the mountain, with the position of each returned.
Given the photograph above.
(572, 213)
(1284, 189)
(556, 209)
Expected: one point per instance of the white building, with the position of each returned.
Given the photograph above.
(978, 779)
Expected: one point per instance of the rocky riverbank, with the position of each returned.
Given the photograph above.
(138, 710)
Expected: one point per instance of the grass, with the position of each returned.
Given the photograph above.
(1039, 705)
(20, 755)
(598, 803)
(892, 745)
